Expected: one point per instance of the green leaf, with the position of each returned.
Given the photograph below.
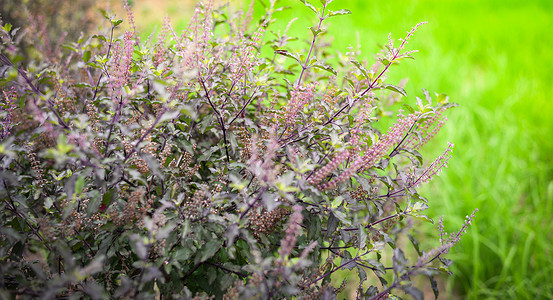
(99, 37)
(79, 185)
(116, 22)
(207, 154)
(394, 88)
(424, 218)
(311, 7)
(231, 234)
(8, 27)
(340, 12)
(104, 13)
(364, 183)
(314, 31)
(63, 147)
(409, 108)
(337, 202)
(86, 56)
(331, 224)
(418, 206)
(362, 237)
(415, 244)
(209, 249)
(342, 217)
(443, 98)
(288, 54)
(326, 68)
(414, 292)
(434, 285)
(70, 48)
(361, 68)
(48, 202)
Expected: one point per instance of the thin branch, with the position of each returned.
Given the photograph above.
(304, 66)
(158, 118)
(253, 203)
(340, 267)
(102, 74)
(219, 119)
(241, 275)
(243, 108)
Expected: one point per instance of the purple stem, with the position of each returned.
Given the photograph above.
(339, 267)
(304, 67)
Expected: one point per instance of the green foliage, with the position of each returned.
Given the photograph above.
(193, 165)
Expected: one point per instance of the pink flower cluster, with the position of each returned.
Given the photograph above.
(195, 41)
(160, 50)
(300, 97)
(433, 169)
(363, 118)
(366, 157)
(323, 172)
(244, 59)
(130, 16)
(427, 129)
(121, 61)
(293, 230)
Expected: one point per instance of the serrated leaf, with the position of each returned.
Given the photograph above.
(362, 237)
(182, 254)
(326, 68)
(8, 27)
(395, 88)
(340, 12)
(342, 217)
(387, 239)
(361, 68)
(414, 292)
(434, 285)
(86, 56)
(79, 185)
(288, 54)
(209, 249)
(337, 202)
(314, 31)
(424, 218)
(409, 108)
(116, 22)
(207, 154)
(104, 13)
(418, 206)
(415, 153)
(310, 6)
(415, 244)
(443, 98)
(231, 234)
(331, 225)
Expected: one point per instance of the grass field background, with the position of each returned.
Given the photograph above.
(495, 59)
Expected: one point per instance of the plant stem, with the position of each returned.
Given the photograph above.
(304, 66)
(219, 118)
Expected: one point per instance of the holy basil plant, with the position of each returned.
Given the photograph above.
(216, 162)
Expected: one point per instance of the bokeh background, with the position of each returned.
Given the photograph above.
(492, 57)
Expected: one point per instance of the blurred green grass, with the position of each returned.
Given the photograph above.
(494, 58)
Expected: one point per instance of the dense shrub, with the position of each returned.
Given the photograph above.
(196, 164)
